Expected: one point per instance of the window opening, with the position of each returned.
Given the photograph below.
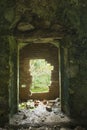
(40, 71)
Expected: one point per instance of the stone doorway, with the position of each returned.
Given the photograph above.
(51, 53)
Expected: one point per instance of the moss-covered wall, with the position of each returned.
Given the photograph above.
(76, 44)
(8, 78)
(78, 80)
(68, 17)
(13, 87)
(4, 79)
(6, 59)
(7, 14)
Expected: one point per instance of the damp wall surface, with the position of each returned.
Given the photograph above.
(4, 80)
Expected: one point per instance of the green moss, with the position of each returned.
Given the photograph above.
(44, 9)
(9, 15)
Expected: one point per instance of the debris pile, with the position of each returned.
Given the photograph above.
(39, 112)
(54, 127)
(41, 115)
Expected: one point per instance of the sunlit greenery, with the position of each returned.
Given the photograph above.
(41, 75)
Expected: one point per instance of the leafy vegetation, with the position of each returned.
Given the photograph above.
(41, 75)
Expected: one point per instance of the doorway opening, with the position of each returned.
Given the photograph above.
(40, 108)
(38, 75)
(40, 71)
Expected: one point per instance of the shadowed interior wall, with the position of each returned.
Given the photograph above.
(4, 80)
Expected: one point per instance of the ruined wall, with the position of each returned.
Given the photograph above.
(38, 51)
(13, 82)
(54, 18)
(8, 78)
(6, 19)
(76, 44)
(78, 79)
(68, 18)
(4, 80)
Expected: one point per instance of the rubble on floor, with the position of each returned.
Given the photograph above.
(40, 115)
(39, 112)
(45, 128)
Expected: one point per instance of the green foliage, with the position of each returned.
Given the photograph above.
(40, 89)
(41, 75)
